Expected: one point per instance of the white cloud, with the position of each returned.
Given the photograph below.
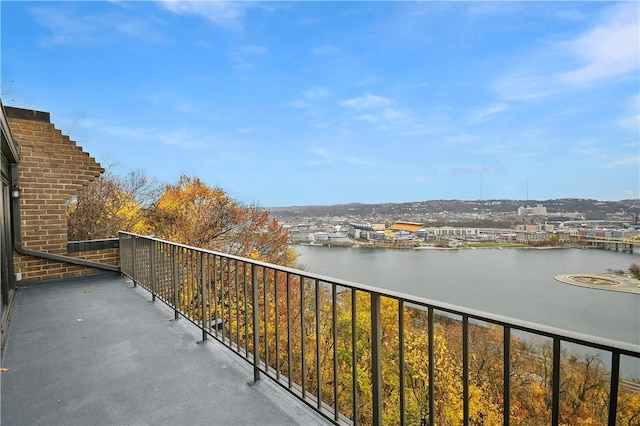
(367, 80)
(328, 157)
(401, 122)
(523, 85)
(229, 15)
(632, 120)
(250, 50)
(474, 170)
(244, 56)
(629, 193)
(423, 179)
(322, 153)
(632, 123)
(482, 114)
(588, 150)
(298, 103)
(462, 138)
(371, 118)
(172, 100)
(608, 50)
(325, 50)
(67, 27)
(308, 97)
(367, 101)
(387, 115)
(315, 93)
(184, 138)
(633, 160)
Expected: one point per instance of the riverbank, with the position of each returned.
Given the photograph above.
(470, 246)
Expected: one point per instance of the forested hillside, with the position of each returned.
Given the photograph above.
(628, 208)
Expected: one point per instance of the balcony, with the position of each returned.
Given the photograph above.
(94, 350)
(179, 339)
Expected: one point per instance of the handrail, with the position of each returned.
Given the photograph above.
(307, 333)
(67, 259)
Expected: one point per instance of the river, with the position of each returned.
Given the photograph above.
(517, 283)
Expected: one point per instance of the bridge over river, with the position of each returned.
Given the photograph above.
(617, 244)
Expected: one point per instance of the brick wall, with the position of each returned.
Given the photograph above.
(108, 256)
(51, 170)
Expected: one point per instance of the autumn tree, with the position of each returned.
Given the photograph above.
(194, 214)
(110, 204)
(634, 269)
(629, 408)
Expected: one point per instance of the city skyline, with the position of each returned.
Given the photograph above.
(324, 103)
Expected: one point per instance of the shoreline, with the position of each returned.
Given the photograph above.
(461, 247)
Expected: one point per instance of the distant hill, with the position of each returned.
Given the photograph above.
(629, 208)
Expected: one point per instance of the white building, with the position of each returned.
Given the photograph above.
(538, 210)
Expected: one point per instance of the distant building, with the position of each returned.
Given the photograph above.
(452, 232)
(361, 231)
(528, 237)
(321, 237)
(547, 227)
(378, 235)
(423, 233)
(411, 227)
(338, 238)
(596, 216)
(527, 228)
(538, 210)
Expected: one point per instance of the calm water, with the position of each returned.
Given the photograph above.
(510, 282)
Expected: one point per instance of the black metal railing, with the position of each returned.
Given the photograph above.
(362, 355)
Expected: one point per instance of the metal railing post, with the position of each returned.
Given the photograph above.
(354, 355)
(432, 368)
(334, 328)
(265, 312)
(613, 390)
(123, 263)
(289, 368)
(229, 314)
(133, 261)
(465, 370)
(246, 309)
(176, 296)
(318, 380)
(302, 343)
(506, 363)
(401, 365)
(217, 298)
(236, 267)
(220, 276)
(376, 364)
(152, 261)
(555, 383)
(203, 289)
(277, 322)
(256, 319)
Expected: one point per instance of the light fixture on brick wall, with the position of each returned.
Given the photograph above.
(15, 192)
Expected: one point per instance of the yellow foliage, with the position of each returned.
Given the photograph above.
(194, 214)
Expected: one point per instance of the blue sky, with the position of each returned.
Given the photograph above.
(299, 103)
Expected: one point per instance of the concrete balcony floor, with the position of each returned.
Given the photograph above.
(96, 351)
